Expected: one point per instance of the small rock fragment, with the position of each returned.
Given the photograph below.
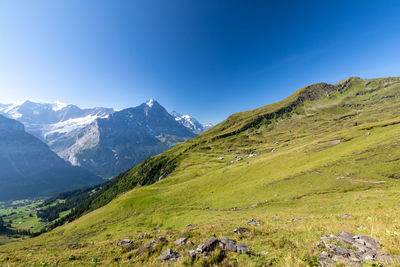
(253, 221)
(144, 235)
(74, 246)
(240, 230)
(126, 243)
(243, 249)
(169, 256)
(228, 244)
(209, 245)
(180, 241)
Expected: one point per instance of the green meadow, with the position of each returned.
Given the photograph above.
(326, 161)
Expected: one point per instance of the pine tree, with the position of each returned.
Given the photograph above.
(2, 227)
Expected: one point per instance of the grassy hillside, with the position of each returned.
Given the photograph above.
(327, 160)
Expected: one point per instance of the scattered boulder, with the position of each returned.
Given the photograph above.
(239, 159)
(242, 249)
(126, 243)
(143, 236)
(74, 246)
(226, 244)
(151, 245)
(208, 246)
(193, 253)
(234, 156)
(221, 158)
(143, 249)
(161, 239)
(170, 256)
(190, 225)
(180, 241)
(351, 249)
(253, 221)
(346, 215)
(252, 155)
(367, 133)
(240, 230)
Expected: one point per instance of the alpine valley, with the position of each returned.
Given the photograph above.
(312, 180)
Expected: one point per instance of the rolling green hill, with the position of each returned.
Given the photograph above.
(327, 160)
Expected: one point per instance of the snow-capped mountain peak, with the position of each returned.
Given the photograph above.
(190, 122)
(59, 105)
(150, 103)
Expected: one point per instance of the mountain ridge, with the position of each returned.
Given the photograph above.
(76, 135)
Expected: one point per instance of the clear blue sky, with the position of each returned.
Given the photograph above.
(206, 58)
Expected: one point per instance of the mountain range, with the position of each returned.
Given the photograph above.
(30, 169)
(103, 140)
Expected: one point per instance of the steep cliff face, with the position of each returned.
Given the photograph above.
(30, 169)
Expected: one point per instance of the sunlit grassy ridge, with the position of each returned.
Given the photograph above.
(323, 152)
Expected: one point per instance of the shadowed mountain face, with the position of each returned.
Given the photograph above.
(30, 169)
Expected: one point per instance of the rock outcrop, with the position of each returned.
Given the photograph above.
(351, 249)
(126, 243)
(225, 243)
(180, 242)
(170, 256)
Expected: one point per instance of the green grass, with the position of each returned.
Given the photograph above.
(331, 156)
(22, 214)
